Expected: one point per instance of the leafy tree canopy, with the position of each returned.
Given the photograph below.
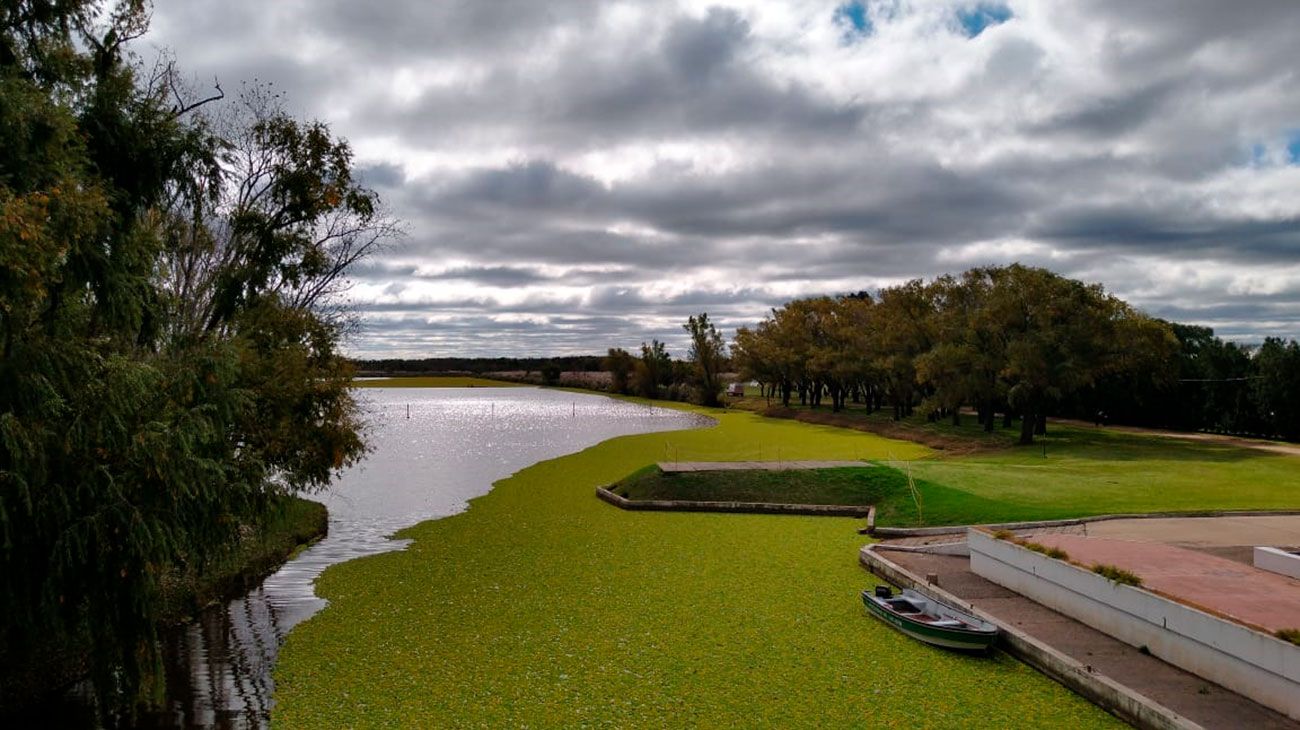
(169, 363)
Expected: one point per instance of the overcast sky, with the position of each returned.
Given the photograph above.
(580, 175)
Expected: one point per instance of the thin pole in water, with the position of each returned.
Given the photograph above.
(575, 409)
(408, 411)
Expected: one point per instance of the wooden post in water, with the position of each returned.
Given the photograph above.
(408, 411)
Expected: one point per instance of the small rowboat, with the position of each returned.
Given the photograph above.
(928, 620)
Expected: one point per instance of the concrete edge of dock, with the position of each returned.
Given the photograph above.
(1117, 699)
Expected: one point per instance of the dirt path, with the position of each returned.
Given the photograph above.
(1275, 447)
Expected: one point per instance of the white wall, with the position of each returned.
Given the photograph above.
(1278, 561)
(1252, 663)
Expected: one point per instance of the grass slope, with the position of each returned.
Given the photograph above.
(1090, 471)
(434, 381)
(543, 606)
(845, 486)
(1073, 471)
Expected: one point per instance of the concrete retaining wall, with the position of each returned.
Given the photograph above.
(1278, 561)
(763, 508)
(1133, 707)
(1257, 665)
(893, 532)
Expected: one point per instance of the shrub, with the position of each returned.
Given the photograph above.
(1291, 635)
(1117, 574)
(1004, 535)
(1051, 552)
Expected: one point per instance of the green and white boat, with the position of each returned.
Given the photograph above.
(927, 620)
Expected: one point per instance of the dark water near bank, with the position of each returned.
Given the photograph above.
(454, 444)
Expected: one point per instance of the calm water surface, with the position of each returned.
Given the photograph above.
(455, 443)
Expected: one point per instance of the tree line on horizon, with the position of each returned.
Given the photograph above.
(1007, 342)
(1022, 342)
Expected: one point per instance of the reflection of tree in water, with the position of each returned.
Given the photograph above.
(219, 667)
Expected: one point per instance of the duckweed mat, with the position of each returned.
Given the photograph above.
(542, 606)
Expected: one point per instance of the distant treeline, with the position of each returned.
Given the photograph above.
(1015, 344)
(1025, 343)
(476, 365)
(1217, 386)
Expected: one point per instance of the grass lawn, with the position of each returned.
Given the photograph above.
(1089, 471)
(544, 606)
(1073, 471)
(434, 381)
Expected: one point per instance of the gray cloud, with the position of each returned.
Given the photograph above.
(579, 175)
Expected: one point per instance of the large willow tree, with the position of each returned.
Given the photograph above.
(168, 356)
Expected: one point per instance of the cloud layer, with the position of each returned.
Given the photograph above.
(580, 175)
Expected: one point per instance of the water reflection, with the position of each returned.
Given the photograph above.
(434, 449)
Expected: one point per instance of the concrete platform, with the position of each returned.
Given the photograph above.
(1200, 532)
(677, 467)
(1224, 587)
(1201, 702)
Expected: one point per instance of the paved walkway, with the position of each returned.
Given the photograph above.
(1200, 701)
(670, 467)
(1198, 532)
(1224, 587)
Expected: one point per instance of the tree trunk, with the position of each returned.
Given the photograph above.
(956, 416)
(1007, 419)
(1027, 428)
(1040, 424)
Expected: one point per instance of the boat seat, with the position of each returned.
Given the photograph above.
(947, 622)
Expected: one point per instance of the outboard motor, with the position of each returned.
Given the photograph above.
(884, 592)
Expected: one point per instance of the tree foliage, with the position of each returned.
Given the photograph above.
(619, 363)
(707, 356)
(652, 370)
(169, 365)
(1017, 338)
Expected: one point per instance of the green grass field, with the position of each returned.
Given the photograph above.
(1088, 471)
(543, 606)
(434, 381)
(1073, 472)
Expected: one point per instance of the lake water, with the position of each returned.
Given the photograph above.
(434, 449)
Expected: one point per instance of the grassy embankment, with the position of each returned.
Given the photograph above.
(289, 529)
(434, 381)
(544, 606)
(1073, 471)
(883, 486)
(1085, 472)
